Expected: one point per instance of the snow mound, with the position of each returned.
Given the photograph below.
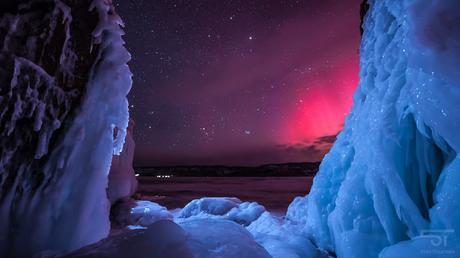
(229, 208)
(391, 180)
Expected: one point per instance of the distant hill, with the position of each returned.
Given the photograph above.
(285, 169)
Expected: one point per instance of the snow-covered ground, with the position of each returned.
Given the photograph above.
(207, 228)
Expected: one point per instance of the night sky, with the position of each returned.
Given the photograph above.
(239, 82)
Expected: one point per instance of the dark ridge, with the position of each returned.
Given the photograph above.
(9, 6)
(285, 169)
(363, 11)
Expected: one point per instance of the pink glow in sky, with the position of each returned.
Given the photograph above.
(246, 82)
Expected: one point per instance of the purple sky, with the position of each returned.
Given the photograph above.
(239, 82)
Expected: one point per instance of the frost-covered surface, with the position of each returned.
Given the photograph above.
(64, 87)
(122, 180)
(228, 208)
(392, 178)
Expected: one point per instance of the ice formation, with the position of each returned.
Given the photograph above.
(390, 185)
(122, 180)
(146, 213)
(209, 205)
(64, 79)
(228, 208)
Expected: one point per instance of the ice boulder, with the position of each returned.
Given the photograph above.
(229, 208)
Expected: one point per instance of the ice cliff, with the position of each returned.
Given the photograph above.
(63, 114)
(390, 186)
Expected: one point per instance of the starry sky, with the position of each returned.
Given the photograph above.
(239, 82)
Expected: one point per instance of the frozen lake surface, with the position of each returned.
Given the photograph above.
(275, 193)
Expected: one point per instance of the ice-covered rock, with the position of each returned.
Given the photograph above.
(64, 80)
(391, 180)
(229, 208)
(122, 179)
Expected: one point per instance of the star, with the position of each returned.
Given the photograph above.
(206, 76)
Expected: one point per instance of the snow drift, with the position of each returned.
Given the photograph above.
(390, 185)
(64, 84)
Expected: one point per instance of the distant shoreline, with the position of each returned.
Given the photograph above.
(280, 170)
